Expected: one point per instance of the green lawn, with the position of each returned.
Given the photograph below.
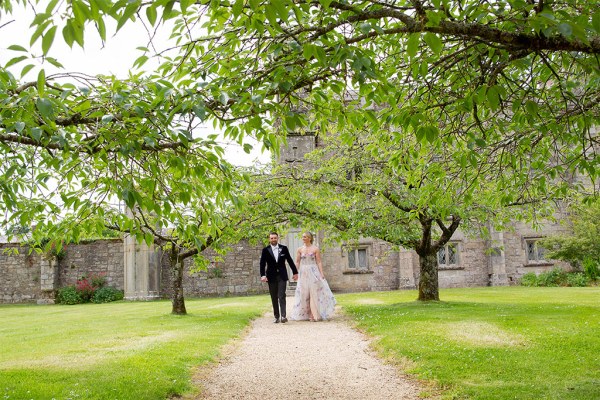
(491, 343)
(481, 343)
(114, 351)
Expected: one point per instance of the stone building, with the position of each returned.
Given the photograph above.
(465, 261)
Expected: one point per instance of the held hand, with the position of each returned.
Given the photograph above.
(295, 277)
(263, 279)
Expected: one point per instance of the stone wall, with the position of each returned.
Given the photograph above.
(473, 266)
(238, 273)
(501, 260)
(515, 249)
(28, 278)
(20, 274)
(100, 257)
(381, 272)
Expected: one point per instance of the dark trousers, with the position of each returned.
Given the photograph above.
(277, 291)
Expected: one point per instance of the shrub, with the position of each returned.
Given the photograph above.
(106, 295)
(591, 269)
(69, 295)
(98, 281)
(577, 280)
(555, 277)
(85, 289)
(529, 279)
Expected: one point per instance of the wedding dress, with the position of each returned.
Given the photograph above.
(312, 292)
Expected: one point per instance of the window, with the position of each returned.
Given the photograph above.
(535, 252)
(357, 259)
(448, 255)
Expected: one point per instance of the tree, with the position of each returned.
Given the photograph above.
(517, 79)
(354, 190)
(581, 248)
(77, 149)
(508, 83)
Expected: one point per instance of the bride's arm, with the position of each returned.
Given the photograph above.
(319, 263)
(298, 259)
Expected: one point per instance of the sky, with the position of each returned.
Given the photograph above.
(114, 57)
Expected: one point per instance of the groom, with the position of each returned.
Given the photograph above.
(274, 257)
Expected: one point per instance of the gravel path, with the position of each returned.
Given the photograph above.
(303, 360)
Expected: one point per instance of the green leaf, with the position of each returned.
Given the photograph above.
(431, 132)
(36, 133)
(19, 126)
(412, 44)
(224, 98)
(271, 15)
(237, 8)
(434, 42)
(26, 69)
(421, 134)
(531, 107)
(48, 39)
(41, 82)
(15, 60)
(68, 34)
(130, 10)
(596, 22)
(565, 29)
(151, 14)
(50, 6)
(101, 29)
(199, 111)
(54, 62)
(493, 97)
(140, 61)
(281, 6)
(308, 50)
(45, 107)
(38, 32)
(16, 47)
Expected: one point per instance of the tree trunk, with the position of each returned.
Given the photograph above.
(177, 297)
(429, 284)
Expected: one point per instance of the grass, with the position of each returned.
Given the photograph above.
(490, 343)
(117, 350)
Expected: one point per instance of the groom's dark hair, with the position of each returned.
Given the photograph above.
(273, 233)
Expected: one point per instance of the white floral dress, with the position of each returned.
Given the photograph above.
(312, 292)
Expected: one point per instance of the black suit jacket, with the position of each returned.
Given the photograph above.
(276, 268)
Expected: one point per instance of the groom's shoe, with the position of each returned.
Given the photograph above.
(276, 321)
(283, 320)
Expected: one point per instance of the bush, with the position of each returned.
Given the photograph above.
(555, 277)
(85, 289)
(88, 289)
(529, 279)
(69, 295)
(577, 280)
(106, 295)
(591, 269)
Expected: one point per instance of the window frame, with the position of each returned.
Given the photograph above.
(539, 251)
(366, 269)
(458, 258)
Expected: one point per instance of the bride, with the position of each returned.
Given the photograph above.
(313, 300)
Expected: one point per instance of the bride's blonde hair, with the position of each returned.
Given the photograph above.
(310, 235)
